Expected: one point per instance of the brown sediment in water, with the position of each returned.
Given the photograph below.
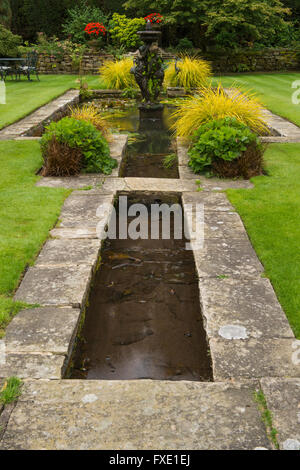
(144, 319)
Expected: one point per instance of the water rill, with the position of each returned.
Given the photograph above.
(143, 319)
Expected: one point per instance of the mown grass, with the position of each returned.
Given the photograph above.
(271, 214)
(23, 97)
(27, 213)
(274, 90)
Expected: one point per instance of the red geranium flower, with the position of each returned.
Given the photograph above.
(95, 28)
(154, 18)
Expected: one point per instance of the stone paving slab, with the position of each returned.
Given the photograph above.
(283, 400)
(75, 233)
(231, 258)
(224, 225)
(33, 366)
(71, 182)
(253, 358)
(60, 286)
(159, 184)
(85, 210)
(237, 308)
(212, 201)
(62, 252)
(45, 113)
(42, 330)
(127, 415)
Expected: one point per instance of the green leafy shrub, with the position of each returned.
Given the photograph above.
(184, 44)
(227, 147)
(123, 31)
(76, 135)
(78, 18)
(9, 43)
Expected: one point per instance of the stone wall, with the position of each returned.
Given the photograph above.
(91, 62)
(267, 60)
(243, 61)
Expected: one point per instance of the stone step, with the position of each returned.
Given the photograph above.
(140, 415)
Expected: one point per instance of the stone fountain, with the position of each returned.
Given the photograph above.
(149, 72)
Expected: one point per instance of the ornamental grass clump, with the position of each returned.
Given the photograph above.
(70, 146)
(90, 113)
(115, 75)
(211, 104)
(189, 72)
(226, 148)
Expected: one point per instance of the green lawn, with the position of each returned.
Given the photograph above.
(27, 213)
(271, 214)
(274, 89)
(23, 97)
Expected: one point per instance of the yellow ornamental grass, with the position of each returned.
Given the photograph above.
(116, 74)
(193, 73)
(91, 114)
(210, 104)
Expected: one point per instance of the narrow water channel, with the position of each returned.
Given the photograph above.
(150, 142)
(143, 319)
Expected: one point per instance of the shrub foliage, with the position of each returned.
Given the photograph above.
(80, 136)
(228, 147)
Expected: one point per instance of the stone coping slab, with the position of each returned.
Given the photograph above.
(231, 258)
(253, 358)
(75, 233)
(212, 201)
(58, 286)
(85, 210)
(33, 366)
(62, 252)
(237, 308)
(283, 400)
(135, 415)
(42, 330)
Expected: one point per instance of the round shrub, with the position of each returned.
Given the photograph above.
(76, 135)
(228, 148)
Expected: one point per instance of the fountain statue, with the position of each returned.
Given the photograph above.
(148, 69)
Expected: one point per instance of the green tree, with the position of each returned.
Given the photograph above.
(238, 23)
(5, 13)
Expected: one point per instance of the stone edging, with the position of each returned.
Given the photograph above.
(248, 333)
(34, 122)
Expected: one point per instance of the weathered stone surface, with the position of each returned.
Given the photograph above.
(160, 184)
(224, 225)
(135, 415)
(251, 304)
(118, 146)
(62, 252)
(42, 330)
(185, 173)
(50, 285)
(212, 201)
(74, 233)
(33, 366)
(232, 258)
(85, 210)
(217, 184)
(283, 400)
(253, 358)
(71, 182)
